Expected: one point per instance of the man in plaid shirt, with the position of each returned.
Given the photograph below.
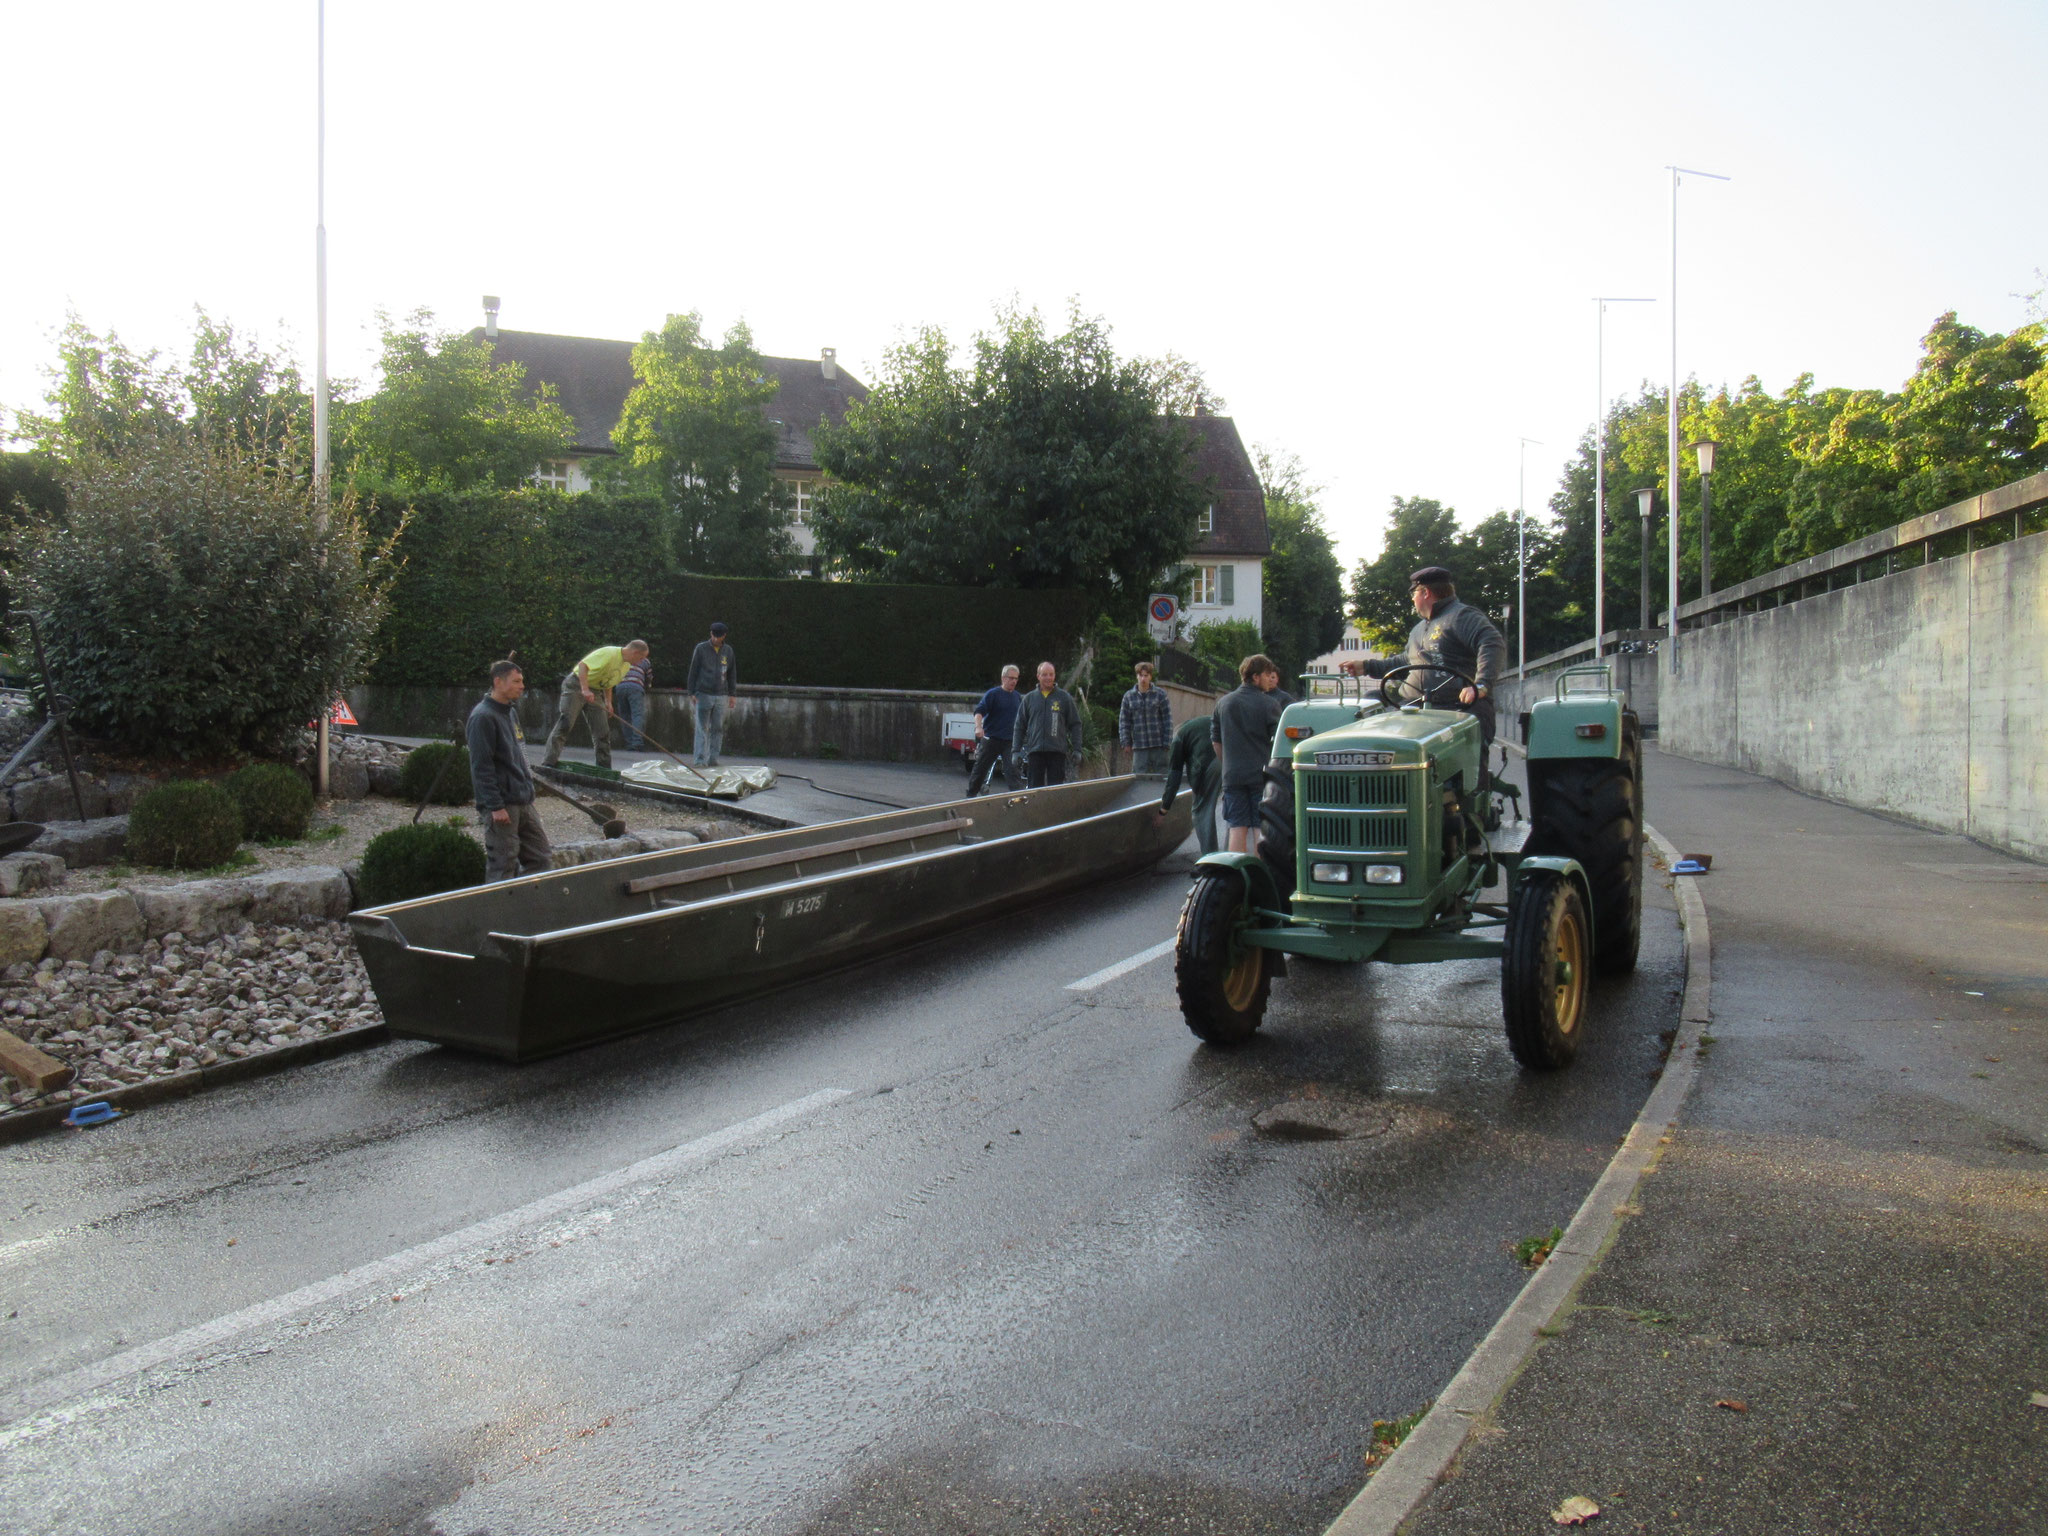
(1144, 725)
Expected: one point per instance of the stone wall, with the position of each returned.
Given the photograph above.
(1922, 695)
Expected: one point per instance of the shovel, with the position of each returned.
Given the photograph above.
(604, 815)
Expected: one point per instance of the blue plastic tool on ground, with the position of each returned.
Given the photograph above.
(97, 1113)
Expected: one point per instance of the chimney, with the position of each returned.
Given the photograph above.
(828, 362)
(491, 316)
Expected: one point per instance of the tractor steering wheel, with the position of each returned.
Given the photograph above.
(1389, 698)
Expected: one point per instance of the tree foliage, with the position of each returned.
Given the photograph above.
(696, 430)
(198, 600)
(447, 416)
(1304, 580)
(1810, 469)
(1043, 460)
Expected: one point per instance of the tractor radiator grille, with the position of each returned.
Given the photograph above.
(1355, 791)
(1357, 834)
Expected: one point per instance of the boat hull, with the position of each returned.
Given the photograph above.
(551, 962)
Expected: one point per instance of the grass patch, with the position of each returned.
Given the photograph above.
(240, 859)
(1387, 1435)
(1532, 1251)
(317, 835)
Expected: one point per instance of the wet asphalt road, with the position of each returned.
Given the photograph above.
(938, 1245)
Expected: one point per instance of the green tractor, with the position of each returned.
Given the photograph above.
(1374, 845)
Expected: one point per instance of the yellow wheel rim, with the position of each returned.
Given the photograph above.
(1570, 971)
(1241, 981)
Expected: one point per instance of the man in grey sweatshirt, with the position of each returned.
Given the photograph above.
(515, 843)
(1048, 732)
(1242, 729)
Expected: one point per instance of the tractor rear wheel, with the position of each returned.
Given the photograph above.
(1591, 809)
(1222, 983)
(1544, 974)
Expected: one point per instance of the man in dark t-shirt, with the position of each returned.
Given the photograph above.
(995, 722)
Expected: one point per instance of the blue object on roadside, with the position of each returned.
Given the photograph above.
(1688, 867)
(96, 1113)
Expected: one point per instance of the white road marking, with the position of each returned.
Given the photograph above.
(1123, 967)
(380, 1272)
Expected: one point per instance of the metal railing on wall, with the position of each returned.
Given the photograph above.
(1996, 517)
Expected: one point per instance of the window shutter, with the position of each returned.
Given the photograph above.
(1227, 585)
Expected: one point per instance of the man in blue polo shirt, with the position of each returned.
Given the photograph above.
(995, 723)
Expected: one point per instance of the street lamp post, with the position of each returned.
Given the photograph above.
(1705, 449)
(1600, 467)
(1522, 557)
(1671, 406)
(1646, 503)
(320, 430)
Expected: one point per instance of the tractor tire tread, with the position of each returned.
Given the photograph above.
(1200, 957)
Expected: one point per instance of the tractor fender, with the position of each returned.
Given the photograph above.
(1259, 889)
(1556, 864)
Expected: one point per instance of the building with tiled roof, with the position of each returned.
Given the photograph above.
(1229, 559)
(592, 376)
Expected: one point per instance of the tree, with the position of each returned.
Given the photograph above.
(696, 430)
(1046, 461)
(1304, 581)
(107, 398)
(447, 416)
(198, 600)
(1420, 532)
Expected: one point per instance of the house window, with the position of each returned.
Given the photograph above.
(806, 494)
(553, 475)
(1207, 522)
(1215, 586)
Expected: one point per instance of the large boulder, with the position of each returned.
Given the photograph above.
(80, 843)
(50, 799)
(23, 874)
(199, 909)
(124, 789)
(348, 778)
(286, 895)
(593, 851)
(655, 838)
(384, 779)
(83, 925)
(24, 934)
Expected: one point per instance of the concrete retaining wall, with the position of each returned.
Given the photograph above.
(884, 725)
(1923, 695)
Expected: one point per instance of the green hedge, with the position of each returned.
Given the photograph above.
(553, 576)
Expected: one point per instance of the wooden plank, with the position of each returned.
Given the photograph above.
(35, 1070)
(792, 856)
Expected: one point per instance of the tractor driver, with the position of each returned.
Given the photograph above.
(1451, 634)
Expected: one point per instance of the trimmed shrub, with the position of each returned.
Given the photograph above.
(186, 824)
(425, 860)
(424, 764)
(195, 600)
(275, 801)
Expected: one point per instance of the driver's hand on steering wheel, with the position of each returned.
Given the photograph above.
(1467, 695)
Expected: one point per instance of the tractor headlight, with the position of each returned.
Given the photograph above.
(1330, 874)
(1383, 874)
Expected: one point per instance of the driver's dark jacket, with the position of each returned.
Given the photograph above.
(1457, 636)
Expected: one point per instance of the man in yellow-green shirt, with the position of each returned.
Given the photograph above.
(587, 693)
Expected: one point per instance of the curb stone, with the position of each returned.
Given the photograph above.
(24, 1123)
(1412, 1473)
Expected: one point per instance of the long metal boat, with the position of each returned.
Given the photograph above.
(549, 962)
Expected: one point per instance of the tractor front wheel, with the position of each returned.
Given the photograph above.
(1222, 983)
(1544, 974)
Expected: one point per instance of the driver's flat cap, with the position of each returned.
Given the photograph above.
(1431, 576)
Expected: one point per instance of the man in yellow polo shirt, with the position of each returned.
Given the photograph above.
(587, 692)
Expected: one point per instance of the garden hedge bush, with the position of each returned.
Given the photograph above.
(423, 765)
(195, 601)
(553, 576)
(275, 801)
(424, 860)
(186, 824)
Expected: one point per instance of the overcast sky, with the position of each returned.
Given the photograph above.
(1377, 227)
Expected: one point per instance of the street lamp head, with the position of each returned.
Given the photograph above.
(1705, 449)
(1646, 501)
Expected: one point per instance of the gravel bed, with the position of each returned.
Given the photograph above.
(122, 1019)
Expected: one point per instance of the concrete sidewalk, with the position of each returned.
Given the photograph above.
(1831, 1312)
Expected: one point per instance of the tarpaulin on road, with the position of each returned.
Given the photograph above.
(720, 783)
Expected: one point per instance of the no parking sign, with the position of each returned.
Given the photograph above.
(1160, 614)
